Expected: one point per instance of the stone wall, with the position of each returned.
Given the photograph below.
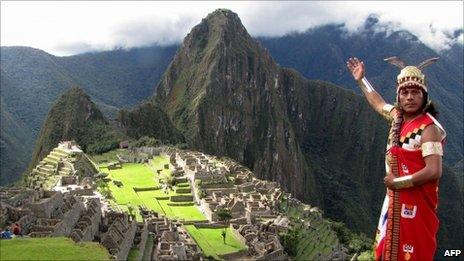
(225, 191)
(277, 255)
(146, 188)
(26, 223)
(68, 180)
(88, 223)
(70, 218)
(127, 242)
(151, 151)
(210, 225)
(143, 230)
(119, 237)
(45, 207)
(237, 234)
(82, 192)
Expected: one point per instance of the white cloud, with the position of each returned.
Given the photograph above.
(145, 32)
(65, 28)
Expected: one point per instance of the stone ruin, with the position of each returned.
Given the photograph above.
(42, 213)
(52, 214)
(140, 239)
(253, 203)
(139, 154)
(170, 241)
(63, 164)
(175, 244)
(115, 165)
(118, 234)
(87, 225)
(262, 244)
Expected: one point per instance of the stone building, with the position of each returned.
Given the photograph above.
(87, 227)
(118, 234)
(67, 159)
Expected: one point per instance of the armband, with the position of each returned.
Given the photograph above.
(386, 109)
(365, 85)
(403, 182)
(431, 147)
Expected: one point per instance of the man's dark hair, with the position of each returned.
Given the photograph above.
(429, 107)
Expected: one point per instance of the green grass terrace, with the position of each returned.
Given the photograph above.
(141, 187)
(50, 248)
(211, 242)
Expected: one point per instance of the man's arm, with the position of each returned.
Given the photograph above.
(432, 152)
(376, 101)
(433, 162)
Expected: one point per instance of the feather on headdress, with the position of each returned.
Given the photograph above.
(410, 75)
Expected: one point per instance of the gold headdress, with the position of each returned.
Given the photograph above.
(410, 75)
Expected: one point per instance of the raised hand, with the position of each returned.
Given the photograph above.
(356, 68)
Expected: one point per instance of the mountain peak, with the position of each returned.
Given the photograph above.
(75, 99)
(75, 92)
(75, 117)
(371, 21)
(224, 18)
(219, 26)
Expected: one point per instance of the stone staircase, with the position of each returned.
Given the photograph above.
(48, 171)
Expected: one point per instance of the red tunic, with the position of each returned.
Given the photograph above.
(409, 223)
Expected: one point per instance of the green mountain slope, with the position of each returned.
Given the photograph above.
(75, 117)
(148, 119)
(12, 156)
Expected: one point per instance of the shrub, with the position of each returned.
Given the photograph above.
(146, 141)
(181, 198)
(183, 190)
(106, 192)
(100, 147)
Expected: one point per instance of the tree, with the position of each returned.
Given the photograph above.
(225, 216)
(131, 209)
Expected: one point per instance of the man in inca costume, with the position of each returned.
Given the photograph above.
(408, 222)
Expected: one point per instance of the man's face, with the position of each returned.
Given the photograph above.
(411, 99)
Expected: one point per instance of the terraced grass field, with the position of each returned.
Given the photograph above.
(210, 241)
(158, 163)
(134, 175)
(186, 213)
(51, 248)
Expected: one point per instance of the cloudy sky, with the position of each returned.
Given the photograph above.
(66, 28)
